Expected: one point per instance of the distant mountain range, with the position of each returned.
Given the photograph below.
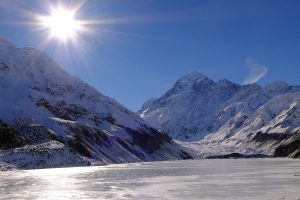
(49, 118)
(217, 118)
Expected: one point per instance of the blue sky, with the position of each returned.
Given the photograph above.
(146, 45)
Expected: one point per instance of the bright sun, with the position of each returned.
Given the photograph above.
(61, 23)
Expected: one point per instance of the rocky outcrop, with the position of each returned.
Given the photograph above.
(236, 156)
(45, 155)
(63, 110)
(9, 137)
(32, 132)
(290, 148)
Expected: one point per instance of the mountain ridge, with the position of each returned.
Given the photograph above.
(224, 113)
(52, 111)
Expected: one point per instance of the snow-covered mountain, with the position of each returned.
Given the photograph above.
(58, 120)
(224, 117)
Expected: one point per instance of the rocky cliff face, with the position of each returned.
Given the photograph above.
(47, 108)
(9, 137)
(289, 148)
(213, 116)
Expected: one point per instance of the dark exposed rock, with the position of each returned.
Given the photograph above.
(9, 137)
(83, 138)
(44, 103)
(63, 110)
(94, 143)
(97, 120)
(185, 155)
(263, 137)
(236, 155)
(33, 132)
(151, 141)
(110, 119)
(57, 89)
(127, 145)
(75, 111)
(290, 148)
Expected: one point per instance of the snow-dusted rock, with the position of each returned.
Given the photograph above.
(291, 147)
(47, 106)
(224, 116)
(9, 137)
(50, 154)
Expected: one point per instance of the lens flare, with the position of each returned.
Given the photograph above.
(61, 23)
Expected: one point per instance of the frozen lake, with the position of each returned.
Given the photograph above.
(195, 179)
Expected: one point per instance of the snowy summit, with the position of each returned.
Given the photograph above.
(213, 117)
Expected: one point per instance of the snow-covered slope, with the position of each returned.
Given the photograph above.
(216, 116)
(54, 110)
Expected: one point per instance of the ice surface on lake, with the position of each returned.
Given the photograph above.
(194, 179)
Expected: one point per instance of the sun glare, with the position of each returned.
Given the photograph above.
(61, 24)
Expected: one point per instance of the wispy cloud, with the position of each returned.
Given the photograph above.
(256, 71)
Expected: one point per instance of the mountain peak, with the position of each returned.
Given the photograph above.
(188, 82)
(193, 77)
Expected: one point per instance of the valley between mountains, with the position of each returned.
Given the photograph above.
(48, 118)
